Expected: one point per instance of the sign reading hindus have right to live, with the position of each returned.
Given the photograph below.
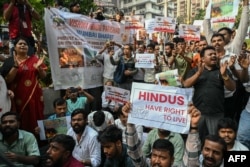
(163, 107)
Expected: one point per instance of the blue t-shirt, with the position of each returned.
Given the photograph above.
(53, 117)
(80, 103)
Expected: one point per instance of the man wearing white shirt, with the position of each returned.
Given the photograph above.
(99, 120)
(87, 149)
(108, 68)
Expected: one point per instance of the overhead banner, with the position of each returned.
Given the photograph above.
(163, 107)
(189, 32)
(73, 41)
(223, 13)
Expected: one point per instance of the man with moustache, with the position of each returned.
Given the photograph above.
(59, 153)
(209, 81)
(17, 146)
(19, 14)
(113, 148)
(174, 138)
(168, 57)
(87, 149)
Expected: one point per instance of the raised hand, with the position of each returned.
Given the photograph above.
(195, 115)
(223, 67)
(39, 62)
(243, 61)
(200, 67)
(231, 62)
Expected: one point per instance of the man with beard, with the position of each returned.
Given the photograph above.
(209, 81)
(174, 138)
(87, 149)
(59, 153)
(113, 148)
(232, 43)
(168, 57)
(227, 130)
(17, 146)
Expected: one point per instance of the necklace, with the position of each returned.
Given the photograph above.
(21, 59)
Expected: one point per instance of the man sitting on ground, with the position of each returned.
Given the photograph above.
(17, 146)
(227, 130)
(60, 152)
(113, 148)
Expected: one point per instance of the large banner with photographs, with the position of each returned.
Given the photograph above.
(73, 41)
(222, 13)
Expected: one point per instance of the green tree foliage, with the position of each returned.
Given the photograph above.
(39, 5)
(200, 14)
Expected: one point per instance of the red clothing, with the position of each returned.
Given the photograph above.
(16, 23)
(28, 98)
(72, 162)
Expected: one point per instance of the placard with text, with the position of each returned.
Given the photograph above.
(163, 107)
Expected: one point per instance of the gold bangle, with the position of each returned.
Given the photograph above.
(225, 78)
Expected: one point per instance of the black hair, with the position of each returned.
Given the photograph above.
(202, 53)
(163, 144)
(230, 32)
(216, 139)
(58, 102)
(130, 46)
(227, 123)
(110, 134)
(66, 141)
(11, 113)
(178, 40)
(151, 45)
(217, 35)
(203, 38)
(72, 5)
(21, 38)
(120, 13)
(80, 111)
(170, 44)
(99, 118)
(119, 111)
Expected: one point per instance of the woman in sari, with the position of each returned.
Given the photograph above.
(21, 73)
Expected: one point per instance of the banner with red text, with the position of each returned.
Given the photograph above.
(189, 32)
(163, 107)
(116, 94)
(73, 41)
(222, 13)
(144, 60)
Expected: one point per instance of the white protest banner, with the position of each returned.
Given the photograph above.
(165, 24)
(150, 25)
(117, 94)
(189, 32)
(73, 41)
(144, 60)
(5, 102)
(134, 22)
(222, 13)
(163, 107)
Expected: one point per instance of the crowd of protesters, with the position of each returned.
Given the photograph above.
(216, 66)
